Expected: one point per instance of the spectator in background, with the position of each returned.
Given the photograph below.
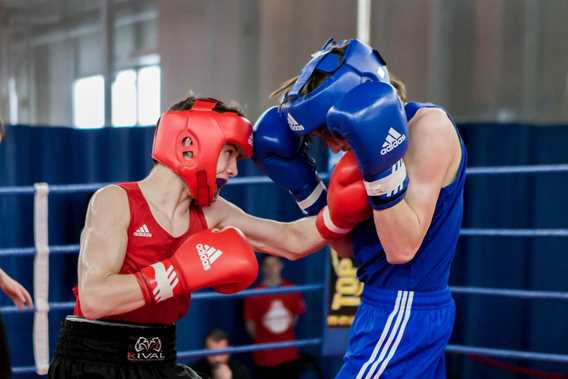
(272, 318)
(18, 294)
(220, 366)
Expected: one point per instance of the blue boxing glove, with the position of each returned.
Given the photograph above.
(372, 120)
(283, 156)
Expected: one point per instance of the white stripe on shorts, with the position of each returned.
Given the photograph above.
(398, 338)
(383, 335)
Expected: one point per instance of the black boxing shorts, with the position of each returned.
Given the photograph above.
(99, 349)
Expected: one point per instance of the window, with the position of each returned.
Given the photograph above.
(149, 91)
(13, 100)
(124, 99)
(89, 102)
(136, 97)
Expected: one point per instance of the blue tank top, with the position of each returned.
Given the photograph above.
(430, 268)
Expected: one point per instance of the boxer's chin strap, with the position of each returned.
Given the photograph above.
(41, 279)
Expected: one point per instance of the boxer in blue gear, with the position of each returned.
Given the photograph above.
(413, 164)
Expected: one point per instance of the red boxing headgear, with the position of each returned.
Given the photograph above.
(190, 142)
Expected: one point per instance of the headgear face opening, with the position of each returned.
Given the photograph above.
(189, 142)
(358, 64)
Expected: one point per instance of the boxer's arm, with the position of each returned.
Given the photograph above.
(434, 145)
(290, 240)
(102, 291)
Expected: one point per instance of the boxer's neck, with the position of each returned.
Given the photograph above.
(164, 190)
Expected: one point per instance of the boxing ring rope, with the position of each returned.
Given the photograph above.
(209, 295)
(488, 232)
(483, 291)
(248, 348)
(205, 295)
(482, 170)
(514, 232)
(41, 250)
(504, 353)
(186, 355)
(532, 169)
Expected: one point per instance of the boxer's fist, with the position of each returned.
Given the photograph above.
(220, 259)
(283, 156)
(372, 120)
(346, 200)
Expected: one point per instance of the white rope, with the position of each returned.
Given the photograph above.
(41, 279)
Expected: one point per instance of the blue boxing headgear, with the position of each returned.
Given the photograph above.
(358, 64)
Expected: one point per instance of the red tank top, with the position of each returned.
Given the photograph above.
(149, 243)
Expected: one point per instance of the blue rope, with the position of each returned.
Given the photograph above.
(209, 295)
(68, 249)
(52, 306)
(514, 354)
(489, 170)
(523, 294)
(55, 249)
(248, 348)
(70, 188)
(23, 370)
(17, 251)
(457, 349)
(206, 295)
(186, 355)
(532, 169)
(514, 232)
(27, 190)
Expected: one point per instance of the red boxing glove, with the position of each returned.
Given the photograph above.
(347, 203)
(220, 259)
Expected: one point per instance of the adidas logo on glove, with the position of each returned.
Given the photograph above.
(208, 255)
(294, 125)
(392, 141)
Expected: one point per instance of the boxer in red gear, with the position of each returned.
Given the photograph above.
(147, 245)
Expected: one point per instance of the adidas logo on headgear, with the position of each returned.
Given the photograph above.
(208, 255)
(294, 125)
(392, 141)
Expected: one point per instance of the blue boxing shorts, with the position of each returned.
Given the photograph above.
(399, 334)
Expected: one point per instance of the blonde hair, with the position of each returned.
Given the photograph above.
(400, 87)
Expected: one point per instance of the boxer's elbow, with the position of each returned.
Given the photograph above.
(90, 310)
(288, 243)
(400, 256)
(92, 304)
(398, 259)
(292, 254)
(295, 255)
(299, 245)
(399, 251)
